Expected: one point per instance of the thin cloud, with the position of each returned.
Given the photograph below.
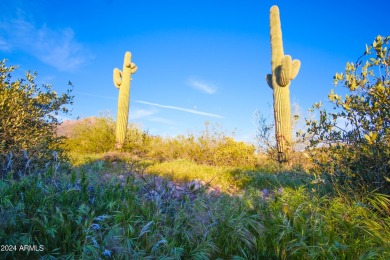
(161, 120)
(140, 113)
(94, 95)
(144, 113)
(202, 86)
(3, 45)
(57, 48)
(180, 109)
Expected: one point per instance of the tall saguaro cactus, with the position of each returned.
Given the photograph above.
(284, 69)
(122, 82)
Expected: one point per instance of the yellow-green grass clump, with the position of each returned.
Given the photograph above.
(185, 170)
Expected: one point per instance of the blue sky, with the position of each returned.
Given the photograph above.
(197, 60)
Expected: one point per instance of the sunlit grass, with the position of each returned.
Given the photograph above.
(184, 170)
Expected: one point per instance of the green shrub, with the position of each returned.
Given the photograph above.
(233, 153)
(212, 147)
(354, 138)
(137, 141)
(28, 115)
(92, 135)
(96, 135)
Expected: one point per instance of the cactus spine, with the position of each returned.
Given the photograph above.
(122, 82)
(284, 69)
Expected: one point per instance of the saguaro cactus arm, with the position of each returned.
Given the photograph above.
(296, 65)
(127, 64)
(117, 77)
(133, 68)
(287, 71)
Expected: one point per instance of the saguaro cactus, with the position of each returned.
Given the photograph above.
(122, 82)
(284, 69)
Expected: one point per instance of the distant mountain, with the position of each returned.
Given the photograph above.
(66, 128)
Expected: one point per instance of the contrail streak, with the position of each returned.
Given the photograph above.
(180, 109)
(192, 111)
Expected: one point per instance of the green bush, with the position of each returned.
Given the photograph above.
(215, 147)
(212, 147)
(92, 135)
(354, 138)
(28, 116)
(232, 153)
(96, 135)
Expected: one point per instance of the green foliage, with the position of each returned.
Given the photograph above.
(355, 136)
(28, 122)
(92, 135)
(304, 225)
(89, 214)
(211, 147)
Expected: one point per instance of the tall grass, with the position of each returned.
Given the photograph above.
(99, 211)
(212, 146)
